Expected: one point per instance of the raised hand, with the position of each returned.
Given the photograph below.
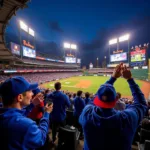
(117, 71)
(126, 73)
(38, 99)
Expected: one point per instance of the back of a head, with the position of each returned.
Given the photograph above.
(74, 95)
(106, 96)
(70, 96)
(87, 95)
(57, 86)
(79, 93)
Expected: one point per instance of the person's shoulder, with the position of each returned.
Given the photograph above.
(24, 121)
(21, 123)
(89, 108)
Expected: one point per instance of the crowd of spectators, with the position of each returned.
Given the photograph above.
(41, 77)
(105, 120)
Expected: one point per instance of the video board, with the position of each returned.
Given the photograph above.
(28, 52)
(118, 57)
(70, 60)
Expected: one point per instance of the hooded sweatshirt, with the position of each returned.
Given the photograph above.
(60, 102)
(87, 100)
(78, 106)
(106, 129)
(20, 133)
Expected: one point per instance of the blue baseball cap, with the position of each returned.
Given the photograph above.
(106, 96)
(15, 86)
(36, 91)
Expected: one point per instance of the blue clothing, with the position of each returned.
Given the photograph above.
(106, 129)
(28, 109)
(87, 100)
(78, 106)
(60, 102)
(20, 133)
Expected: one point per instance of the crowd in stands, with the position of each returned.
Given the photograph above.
(33, 68)
(105, 120)
(41, 77)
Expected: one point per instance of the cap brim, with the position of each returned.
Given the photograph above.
(33, 86)
(102, 104)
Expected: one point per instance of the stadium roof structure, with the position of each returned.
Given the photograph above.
(8, 8)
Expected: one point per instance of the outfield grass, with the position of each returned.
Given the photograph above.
(93, 82)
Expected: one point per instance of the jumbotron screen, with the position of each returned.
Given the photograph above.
(28, 52)
(70, 60)
(15, 48)
(139, 55)
(118, 57)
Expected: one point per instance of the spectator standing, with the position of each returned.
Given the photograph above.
(87, 98)
(120, 105)
(17, 131)
(78, 108)
(71, 102)
(106, 128)
(58, 116)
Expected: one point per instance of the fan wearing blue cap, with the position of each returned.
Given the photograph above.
(16, 130)
(106, 128)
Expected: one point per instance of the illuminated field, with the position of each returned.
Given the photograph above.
(91, 84)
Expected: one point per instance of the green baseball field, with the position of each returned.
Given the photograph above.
(92, 83)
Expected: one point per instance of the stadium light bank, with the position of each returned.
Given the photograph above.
(70, 46)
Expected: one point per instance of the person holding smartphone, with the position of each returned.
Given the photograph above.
(18, 132)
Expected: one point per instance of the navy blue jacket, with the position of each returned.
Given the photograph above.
(20, 133)
(87, 100)
(78, 106)
(60, 102)
(106, 129)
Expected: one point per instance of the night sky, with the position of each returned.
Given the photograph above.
(88, 23)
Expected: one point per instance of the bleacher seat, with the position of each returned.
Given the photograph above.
(144, 135)
(68, 139)
(144, 143)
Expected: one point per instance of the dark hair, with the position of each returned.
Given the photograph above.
(118, 95)
(74, 95)
(57, 85)
(87, 94)
(46, 91)
(70, 95)
(79, 93)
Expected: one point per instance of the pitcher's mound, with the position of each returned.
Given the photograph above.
(83, 84)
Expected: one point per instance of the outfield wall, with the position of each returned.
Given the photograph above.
(141, 74)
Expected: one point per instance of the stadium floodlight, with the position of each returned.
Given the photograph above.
(113, 41)
(31, 32)
(73, 46)
(67, 45)
(23, 26)
(124, 38)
